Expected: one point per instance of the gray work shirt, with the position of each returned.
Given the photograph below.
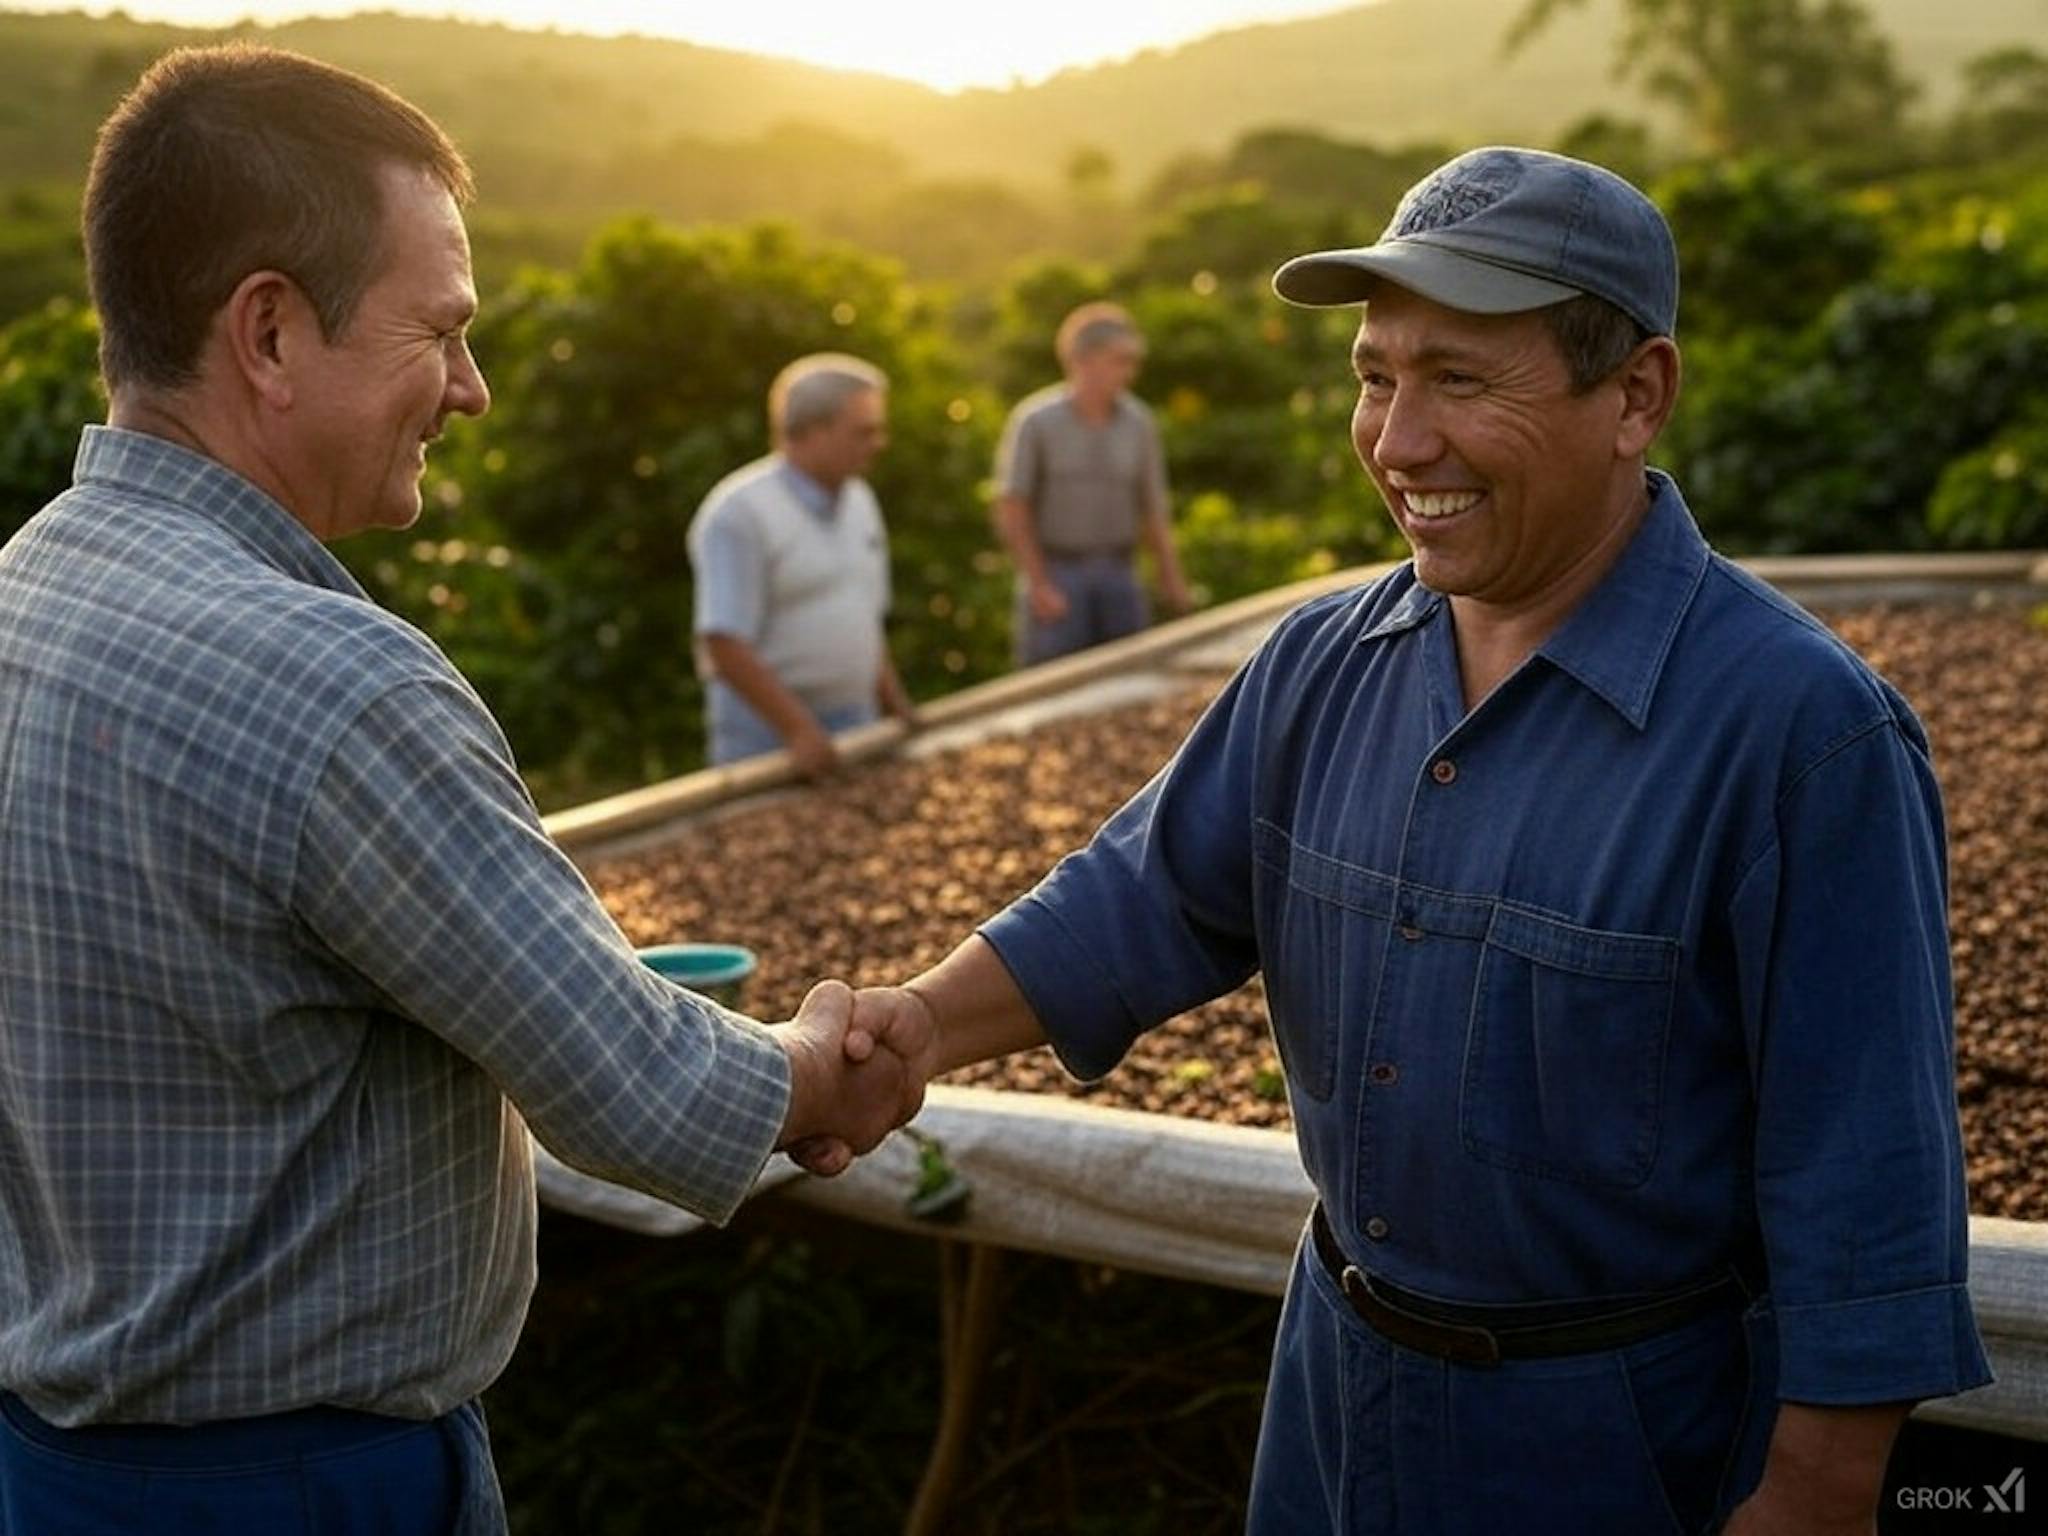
(282, 935)
(1090, 487)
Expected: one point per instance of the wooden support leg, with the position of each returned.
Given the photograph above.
(967, 1312)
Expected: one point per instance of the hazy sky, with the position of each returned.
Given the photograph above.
(940, 42)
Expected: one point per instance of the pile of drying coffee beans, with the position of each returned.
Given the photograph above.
(880, 874)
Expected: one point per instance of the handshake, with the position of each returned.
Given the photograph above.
(858, 1065)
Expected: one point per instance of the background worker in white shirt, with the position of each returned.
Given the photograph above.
(791, 566)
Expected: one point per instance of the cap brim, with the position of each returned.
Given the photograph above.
(1448, 277)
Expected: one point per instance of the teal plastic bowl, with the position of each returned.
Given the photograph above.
(719, 971)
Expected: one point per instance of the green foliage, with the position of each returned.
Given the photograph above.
(1836, 436)
(49, 387)
(666, 1348)
(41, 254)
(1997, 496)
(1229, 552)
(1763, 244)
(785, 1374)
(1254, 402)
(2003, 114)
(1797, 76)
(1297, 168)
(966, 230)
(1231, 234)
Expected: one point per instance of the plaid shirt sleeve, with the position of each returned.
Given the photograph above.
(423, 867)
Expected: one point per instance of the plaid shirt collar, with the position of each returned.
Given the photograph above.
(161, 471)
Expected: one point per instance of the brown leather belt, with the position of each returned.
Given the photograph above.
(1489, 1335)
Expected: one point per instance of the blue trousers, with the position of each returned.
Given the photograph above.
(315, 1472)
(1364, 1438)
(1104, 602)
(737, 731)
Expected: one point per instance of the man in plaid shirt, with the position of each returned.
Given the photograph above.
(285, 943)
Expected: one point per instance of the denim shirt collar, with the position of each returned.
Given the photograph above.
(1417, 604)
(1616, 641)
(142, 464)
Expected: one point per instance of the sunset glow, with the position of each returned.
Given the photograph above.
(937, 42)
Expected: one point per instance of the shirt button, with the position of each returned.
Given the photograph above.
(1376, 1229)
(1443, 770)
(1383, 1072)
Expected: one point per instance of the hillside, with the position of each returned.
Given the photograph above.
(552, 93)
(1400, 71)
(562, 108)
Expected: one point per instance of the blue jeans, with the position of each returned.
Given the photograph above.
(1364, 1438)
(314, 1472)
(737, 732)
(1105, 601)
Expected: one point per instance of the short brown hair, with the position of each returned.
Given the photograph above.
(229, 160)
(1593, 336)
(1093, 326)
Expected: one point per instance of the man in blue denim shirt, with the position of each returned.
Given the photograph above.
(1601, 902)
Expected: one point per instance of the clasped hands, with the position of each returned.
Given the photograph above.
(858, 1065)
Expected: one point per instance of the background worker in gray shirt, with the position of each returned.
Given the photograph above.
(1080, 483)
(791, 562)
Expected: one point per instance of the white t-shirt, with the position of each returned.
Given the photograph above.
(802, 580)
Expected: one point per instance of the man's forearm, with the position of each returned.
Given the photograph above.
(978, 1009)
(890, 694)
(740, 667)
(1013, 523)
(1159, 539)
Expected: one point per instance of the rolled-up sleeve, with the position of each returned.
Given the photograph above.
(1842, 938)
(424, 868)
(1155, 915)
(729, 573)
(1019, 458)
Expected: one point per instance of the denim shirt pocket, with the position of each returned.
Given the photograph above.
(1564, 1050)
(1322, 926)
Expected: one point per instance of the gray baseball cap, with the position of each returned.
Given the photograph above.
(1498, 231)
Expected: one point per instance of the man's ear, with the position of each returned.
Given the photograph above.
(1649, 389)
(263, 325)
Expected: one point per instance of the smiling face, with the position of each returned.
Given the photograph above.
(365, 405)
(1512, 491)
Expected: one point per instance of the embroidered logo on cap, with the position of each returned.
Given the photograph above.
(1468, 186)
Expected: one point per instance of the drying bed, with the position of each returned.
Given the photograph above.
(879, 874)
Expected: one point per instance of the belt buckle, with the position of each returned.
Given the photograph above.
(1459, 1342)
